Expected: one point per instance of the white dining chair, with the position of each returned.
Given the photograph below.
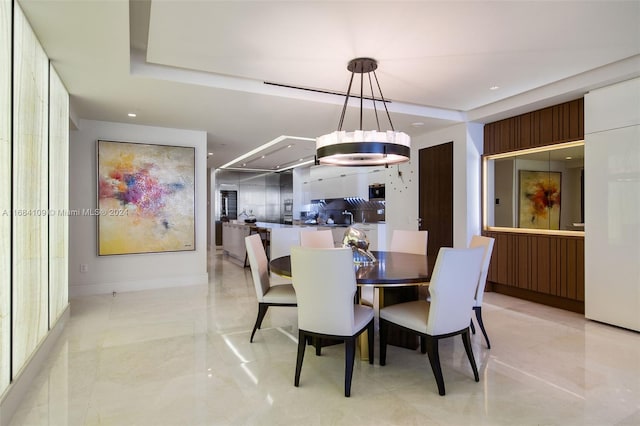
(402, 241)
(322, 238)
(325, 284)
(453, 285)
(487, 244)
(282, 239)
(267, 292)
(414, 242)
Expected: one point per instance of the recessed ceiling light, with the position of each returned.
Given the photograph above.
(132, 114)
(289, 146)
(211, 153)
(494, 87)
(417, 124)
(568, 158)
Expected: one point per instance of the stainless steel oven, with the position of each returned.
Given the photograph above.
(376, 192)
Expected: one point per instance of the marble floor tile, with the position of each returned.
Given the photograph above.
(182, 356)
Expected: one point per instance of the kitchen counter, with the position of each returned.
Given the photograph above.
(233, 235)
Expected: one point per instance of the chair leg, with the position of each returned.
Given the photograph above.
(349, 355)
(370, 331)
(434, 360)
(423, 344)
(262, 311)
(478, 310)
(466, 340)
(301, 346)
(473, 327)
(383, 342)
(317, 342)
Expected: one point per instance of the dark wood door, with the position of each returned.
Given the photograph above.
(435, 199)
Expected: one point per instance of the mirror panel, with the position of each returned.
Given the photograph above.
(538, 189)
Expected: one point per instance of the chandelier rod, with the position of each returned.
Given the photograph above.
(383, 102)
(361, 96)
(375, 109)
(346, 100)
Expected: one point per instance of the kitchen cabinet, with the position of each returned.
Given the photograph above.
(340, 182)
(233, 235)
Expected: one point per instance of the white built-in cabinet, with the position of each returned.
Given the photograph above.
(612, 202)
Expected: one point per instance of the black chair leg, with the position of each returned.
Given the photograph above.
(301, 346)
(383, 342)
(262, 311)
(478, 310)
(473, 327)
(434, 360)
(423, 344)
(466, 340)
(349, 355)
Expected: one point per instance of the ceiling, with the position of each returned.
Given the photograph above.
(203, 65)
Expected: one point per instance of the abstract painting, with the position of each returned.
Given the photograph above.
(539, 199)
(146, 198)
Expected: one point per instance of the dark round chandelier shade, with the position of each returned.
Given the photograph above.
(363, 147)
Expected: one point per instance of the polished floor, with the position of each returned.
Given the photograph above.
(182, 357)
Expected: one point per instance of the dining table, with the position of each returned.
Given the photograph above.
(390, 270)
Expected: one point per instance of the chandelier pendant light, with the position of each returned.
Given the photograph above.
(363, 147)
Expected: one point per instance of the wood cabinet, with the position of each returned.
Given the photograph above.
(544, 268)
(547, 126)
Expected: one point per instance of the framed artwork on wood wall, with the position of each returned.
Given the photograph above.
(539, 199)
(146, 198)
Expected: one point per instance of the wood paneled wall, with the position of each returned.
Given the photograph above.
(548, 126)
(547, 269)
(543, 268)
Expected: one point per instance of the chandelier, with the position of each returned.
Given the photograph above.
(363, 147)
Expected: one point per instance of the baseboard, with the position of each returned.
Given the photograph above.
(544, 299)
(15, 393)
(76, 290)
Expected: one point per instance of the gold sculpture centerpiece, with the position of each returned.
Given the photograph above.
(359, 243)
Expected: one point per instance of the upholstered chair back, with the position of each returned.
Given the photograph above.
(452, 288)
(414, 242)
(325, 300)
(259, 265)
(487, 244)
(317, 239)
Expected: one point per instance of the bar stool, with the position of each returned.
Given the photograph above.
(266, 241)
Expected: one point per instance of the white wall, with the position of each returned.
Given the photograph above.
(129, 272)
(612, 203)
(402, 202)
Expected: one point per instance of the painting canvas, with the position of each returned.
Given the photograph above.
(146, 198)
(539, 199)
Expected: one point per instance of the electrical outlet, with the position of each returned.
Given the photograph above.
(84, 267)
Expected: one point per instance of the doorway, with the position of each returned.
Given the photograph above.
(435, 197)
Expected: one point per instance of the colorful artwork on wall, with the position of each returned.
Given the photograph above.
(539, 199)
(146, 198)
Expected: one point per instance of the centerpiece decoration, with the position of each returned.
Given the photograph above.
(359, 243)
